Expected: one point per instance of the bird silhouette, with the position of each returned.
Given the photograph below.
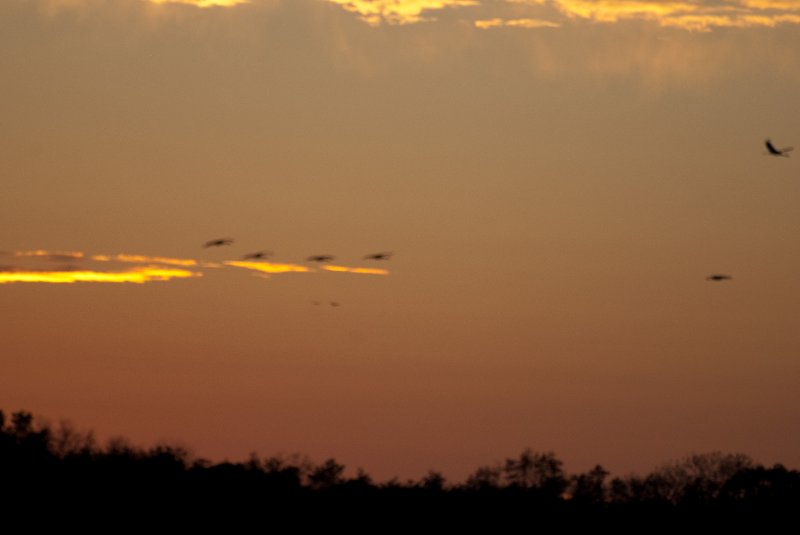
(257, 256)
(378, 256)
(777, 152)
(320, 258)
(218, 243)
(718, 277)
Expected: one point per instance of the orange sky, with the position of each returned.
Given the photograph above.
(555, 178)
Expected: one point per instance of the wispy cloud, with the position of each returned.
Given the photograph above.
(616, 10)
(485, 24)
(202, 3)
(376, 12)
(358, 270)
(49, 255)
(138, 275)
(705, 23)
(787, 5)
(142, 259)
(151, 268)
(268, 267)
(691, 16)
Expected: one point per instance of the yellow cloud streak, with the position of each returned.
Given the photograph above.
(614, 10)
(790, 5)
(693, 16)
(141, 259)
(362, 271)
(704, 23)
(373, 12)
(268, 267)
(485, 24)
(203, 3)
(69, 254)
(136, 276)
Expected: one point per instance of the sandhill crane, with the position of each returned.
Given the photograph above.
(378, 256)
(777, 152)
(257, 256)
(218, 243)
(320, 258)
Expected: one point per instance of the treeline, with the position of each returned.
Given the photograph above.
(66, 469)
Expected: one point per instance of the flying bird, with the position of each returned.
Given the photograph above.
(218, 243)
(257, 256)
(777, 152)
(378, 256)
(320, 258)
(718, 277)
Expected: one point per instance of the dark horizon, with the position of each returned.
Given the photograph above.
(61, 470)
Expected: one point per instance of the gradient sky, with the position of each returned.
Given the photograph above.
(556, 179)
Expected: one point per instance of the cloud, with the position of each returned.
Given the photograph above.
(376, 12)
(705, 23)
(691, 16)
(269, 268)
(151, 268)
(142, 259)
(138, 275)
(202, 3)
(362, 271)
(788, 5)
(616, 10)
(486, 24)
(48, 255)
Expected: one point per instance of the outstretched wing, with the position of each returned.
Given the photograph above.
(771, 148)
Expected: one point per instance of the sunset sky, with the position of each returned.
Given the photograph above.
(555, 179)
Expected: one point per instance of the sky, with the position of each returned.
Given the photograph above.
(555, 180)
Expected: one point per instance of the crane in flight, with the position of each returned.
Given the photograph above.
(218, 243)
(378, 256)
(320, 258)
(260, 255)
(777, 152)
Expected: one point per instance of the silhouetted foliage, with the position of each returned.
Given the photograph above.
(326, 475)
(67, 469)
(589, 488)
(485, 478)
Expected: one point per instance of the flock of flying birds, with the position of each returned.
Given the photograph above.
(322, 258)
(771, 151)
(263, 255)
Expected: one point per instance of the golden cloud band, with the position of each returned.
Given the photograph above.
(155, 269)
(690, 15)
(135, 275)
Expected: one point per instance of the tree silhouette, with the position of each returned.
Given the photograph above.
(539, 471)
(65, 468)
(589, 488)
(326, 475)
